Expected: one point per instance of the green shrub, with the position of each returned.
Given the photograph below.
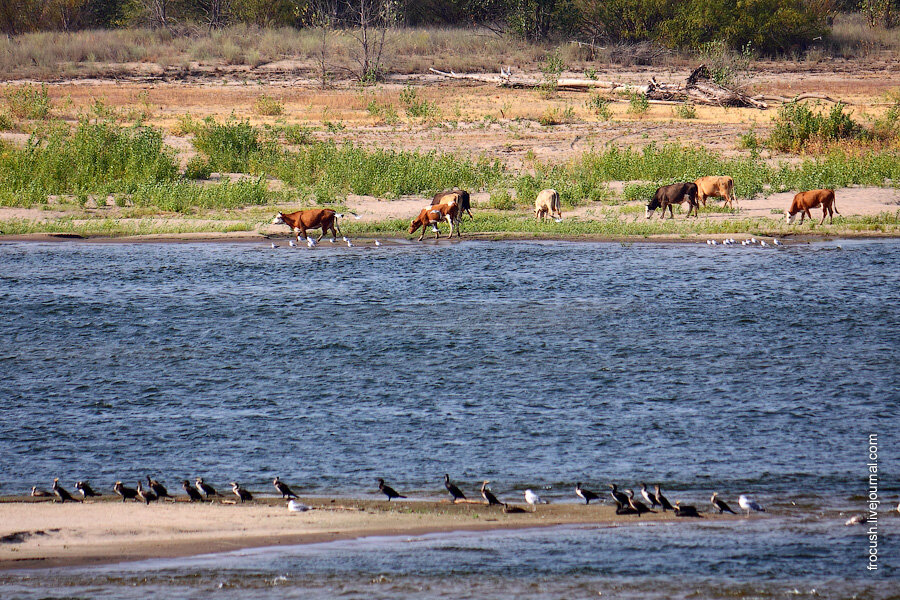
(6, 123)
(551, 68)
(268, 106)
(29, 101)
(599, 106)
(796, 125)
(638, 104)
(197, 168)
(232, 147)
(685, 111)
(417, 107)
(501, 200)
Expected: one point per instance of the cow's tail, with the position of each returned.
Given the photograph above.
(834, 202)
(342, 215)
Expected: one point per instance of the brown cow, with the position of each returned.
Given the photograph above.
(716, 187)
(314, 218)
(434, 215)
(546, 203)
(813, 199)
(462, 198)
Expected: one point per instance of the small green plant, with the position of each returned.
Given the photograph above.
(591, 73)
(749, 140)
(6, 123)
(549, 118)
(887, 127)
(685, 111)
(501, 200)
(551, 67)
(297, 135)
(386, 112)
(268, 106)
(334, 126)
(599, 106)
(726, 67)
(29, 101)
(197, 167)
(638, 104)
(417, 107)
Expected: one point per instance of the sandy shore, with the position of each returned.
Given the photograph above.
(49, 534)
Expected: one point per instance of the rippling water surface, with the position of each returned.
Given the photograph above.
(531, 364)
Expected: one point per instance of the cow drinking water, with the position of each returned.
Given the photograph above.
(433, 216)
(677, 193)
(547, 203)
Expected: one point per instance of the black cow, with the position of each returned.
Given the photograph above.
(463, 200)
(677, 193)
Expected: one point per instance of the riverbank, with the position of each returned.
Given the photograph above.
(47, 534)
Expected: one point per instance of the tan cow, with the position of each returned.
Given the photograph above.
(546, 203)
(314, 218)
(434, 215)
(716, 186)
(812, 199)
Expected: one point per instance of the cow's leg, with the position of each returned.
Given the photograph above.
(702, 198)
(450, 222)
(338, 227)
(301, 231)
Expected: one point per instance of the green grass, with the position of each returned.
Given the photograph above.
(115, 227)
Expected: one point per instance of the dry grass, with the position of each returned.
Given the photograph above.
(851, 37)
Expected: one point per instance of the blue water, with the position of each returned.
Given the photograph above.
(531, 364)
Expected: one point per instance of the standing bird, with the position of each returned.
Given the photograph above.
(533, 499)
(720, 504)
(490, 498)
(661, 500)
(205, 488)
(619, 498)
(127, 493)
(686, 511)
(749, 504)
(388, 490)
(240, 492)
(636, 505)
(85, 489)
(283, 489)
(40, 493)
(158, 488)
(650, 498)
(455, 493)
(147, 496)
(586, 495)
(193, 494)
(61, 492)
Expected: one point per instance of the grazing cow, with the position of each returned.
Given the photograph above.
(434, 215)
(813, 199)
(677, 193)
(546, 203)
(716, 187)
(462, 198)
(314, 218)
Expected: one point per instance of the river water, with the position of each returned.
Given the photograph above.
(533, 364)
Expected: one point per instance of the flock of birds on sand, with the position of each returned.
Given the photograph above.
(626, 501)
(751, 242)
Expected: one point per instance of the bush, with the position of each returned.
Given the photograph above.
(796, 125)
(6, 123)
(231, 147)
(197, 168)
(599, 106)
(416, 107)
(551, 67)
(268, 106)
(501, 200)
(638, 104)
(685, 111)
(29, 101)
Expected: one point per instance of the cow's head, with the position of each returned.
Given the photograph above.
(789, 217)
(279, 219)
(651, 208)
(414, 225)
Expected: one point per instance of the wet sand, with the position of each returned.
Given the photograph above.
(37, 534)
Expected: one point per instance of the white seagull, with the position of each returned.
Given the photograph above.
(377, 243)
(295, 506)
(273, 245)
(532, 499)
(749, 504)
(856, 520)
(292, 244)
(346, 239)
(763, 243)
(349, 244)
(776, 242)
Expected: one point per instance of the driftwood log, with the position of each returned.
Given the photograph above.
(698, 88)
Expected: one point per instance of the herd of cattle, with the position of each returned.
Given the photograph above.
(448, 207)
